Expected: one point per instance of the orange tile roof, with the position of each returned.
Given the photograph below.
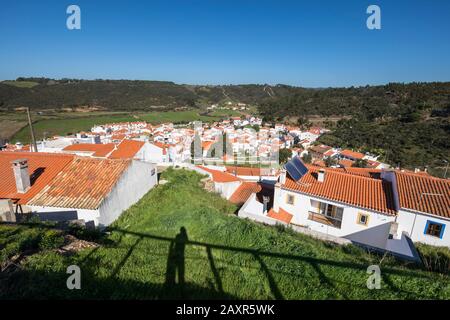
(244, 191)
(127, 149)
(243, 171)
(352, 154)
(281, 215)
(369, 193)
(412, 185)
(82, 184)
(363, 172)
(42, 167)
(219, 176)
(206, 145)
(346, 163)
(98, 149)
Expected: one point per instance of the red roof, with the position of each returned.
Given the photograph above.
(352, 154)
(243, 171)
(281, 215)
(42, 167)
(244, 191)
(424, 193)
(346, 163)
(98, 149)
(83, 183)
(219, 176)
(360, 191)
(127, 149)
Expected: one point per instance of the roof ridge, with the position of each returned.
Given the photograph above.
(347, 174)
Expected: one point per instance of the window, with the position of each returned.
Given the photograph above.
(290, 199)
(363, 219)
(326, 214)
(434, 229)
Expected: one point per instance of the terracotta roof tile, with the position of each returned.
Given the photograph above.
(435, 193)
(352, 154)
(243, 171)
(352, 189)
(219, 176)
(98, 149)
(42, 167)
(281, 215)
(82, 184)
(127, 149)
(244, 191)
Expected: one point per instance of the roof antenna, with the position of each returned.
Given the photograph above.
(33, 140)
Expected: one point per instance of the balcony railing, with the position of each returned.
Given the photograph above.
(321, 218)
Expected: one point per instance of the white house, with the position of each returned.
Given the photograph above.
(384, 212)
(66, 187)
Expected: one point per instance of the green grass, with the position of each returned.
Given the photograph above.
(21, 84)
(225, 257)
(62, 124)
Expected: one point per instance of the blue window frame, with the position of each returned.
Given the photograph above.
(434, 229)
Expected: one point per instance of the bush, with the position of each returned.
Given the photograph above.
(84, 233)
(435, 259)
(51, 239)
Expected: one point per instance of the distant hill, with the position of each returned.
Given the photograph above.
(123, 94)
(408, 124)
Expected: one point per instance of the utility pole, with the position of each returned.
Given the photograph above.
(33, 140)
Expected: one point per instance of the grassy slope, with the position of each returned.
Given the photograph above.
(227, 257)
(62, 126)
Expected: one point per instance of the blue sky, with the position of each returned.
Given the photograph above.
(305, 43)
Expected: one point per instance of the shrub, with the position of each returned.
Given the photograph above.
(84, 233)
(51, 239)
(435, 259)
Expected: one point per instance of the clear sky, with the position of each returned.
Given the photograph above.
(307, 43)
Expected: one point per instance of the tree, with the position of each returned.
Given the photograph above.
(307, 158)
(329, 162)
(360, 163)
(284, 155)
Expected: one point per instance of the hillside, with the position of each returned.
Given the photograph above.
(218, 256)
(407, 124)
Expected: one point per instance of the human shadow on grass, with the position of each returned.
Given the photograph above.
(177, 263)
(175, 285)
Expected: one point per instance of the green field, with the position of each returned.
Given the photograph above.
(63, 124)
(21, 84)
(146, 256)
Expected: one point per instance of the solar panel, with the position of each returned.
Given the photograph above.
(300, 166)
(296, 168)
(293, 172)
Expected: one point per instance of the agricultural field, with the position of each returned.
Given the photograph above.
(64, 123)
(180, 241)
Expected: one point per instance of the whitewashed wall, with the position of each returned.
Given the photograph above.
(134, 183)
(406, 221)
(64, 214)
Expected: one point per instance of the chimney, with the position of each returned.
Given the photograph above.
(321, 175)
(21, 175)
(282, 176)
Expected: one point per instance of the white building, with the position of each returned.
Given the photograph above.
(384, 212)
(66, 187)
